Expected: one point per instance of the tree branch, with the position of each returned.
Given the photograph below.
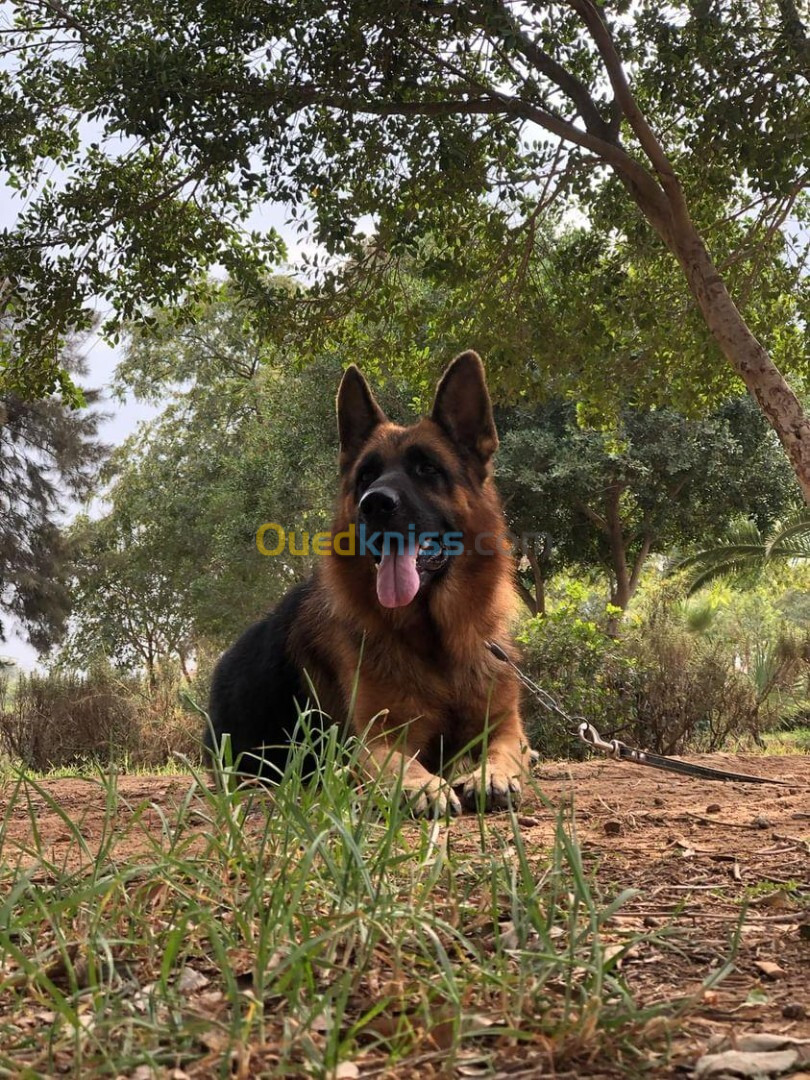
(68, 19)
(591, 514)
(603, 40)
(303, 97)
(569, 84)
(491, 102)
(638, 562)
(640, 182)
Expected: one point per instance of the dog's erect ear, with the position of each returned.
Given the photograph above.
(463, 409)
(357, 413)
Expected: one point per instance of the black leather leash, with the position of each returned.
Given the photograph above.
(615, 748)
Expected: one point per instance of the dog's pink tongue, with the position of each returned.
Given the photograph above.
(397, 580)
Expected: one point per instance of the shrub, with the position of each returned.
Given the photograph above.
(584, 669)
(65, 719)
(62, 719)
(689, 694)
(660, 687)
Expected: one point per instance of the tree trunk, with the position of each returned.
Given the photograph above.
(670, 218)
(534, 601)
(541, 596)
(620, 593)
(151, 676)
(626, 581)
(746, 355)
(526, 596)
(539, 583)
(613, 624)
(660, 197)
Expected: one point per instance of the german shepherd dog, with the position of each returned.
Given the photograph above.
(397, 626)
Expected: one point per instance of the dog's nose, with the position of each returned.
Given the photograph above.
(379, 503)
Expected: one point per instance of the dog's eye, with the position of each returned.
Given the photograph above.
(425, 469)
(366, 476)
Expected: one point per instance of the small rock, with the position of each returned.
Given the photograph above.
(346, 1070)
(794, 1010)
(143, 1072)
(769, 969)
(736, 1063)
(191, 981)
(213, 1040)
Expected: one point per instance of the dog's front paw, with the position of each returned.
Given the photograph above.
(488, 788)
(430, 798)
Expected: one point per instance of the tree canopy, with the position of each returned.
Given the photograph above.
(169, 124)
(242, 439)
(655, 482)
(49, 453)
(569, 312)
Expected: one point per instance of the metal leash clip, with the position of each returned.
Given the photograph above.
(589, 735)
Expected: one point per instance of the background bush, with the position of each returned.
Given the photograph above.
(67, 720)
(681, 677)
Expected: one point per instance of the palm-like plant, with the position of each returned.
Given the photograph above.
(747, 550)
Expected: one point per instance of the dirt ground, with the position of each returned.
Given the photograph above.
(696, 851)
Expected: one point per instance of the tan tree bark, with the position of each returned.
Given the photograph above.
(661, 199)
(746, 354)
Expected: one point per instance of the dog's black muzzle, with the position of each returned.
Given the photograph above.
(406, 520)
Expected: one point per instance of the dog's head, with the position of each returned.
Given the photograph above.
(414, 493)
